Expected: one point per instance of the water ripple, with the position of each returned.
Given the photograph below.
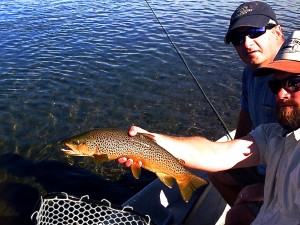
(70, 65)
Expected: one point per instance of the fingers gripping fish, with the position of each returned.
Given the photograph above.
(110, 144)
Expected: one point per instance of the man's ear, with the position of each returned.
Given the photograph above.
(278, 31)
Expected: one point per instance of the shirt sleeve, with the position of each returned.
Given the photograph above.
(263, 135)
(260, 140)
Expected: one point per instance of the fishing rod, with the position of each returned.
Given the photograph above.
(191, 73)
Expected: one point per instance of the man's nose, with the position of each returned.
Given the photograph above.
(283, 94)
(248, 41)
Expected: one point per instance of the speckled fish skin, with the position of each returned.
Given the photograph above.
(110, 144)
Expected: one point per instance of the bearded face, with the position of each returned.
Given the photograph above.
(288, 114)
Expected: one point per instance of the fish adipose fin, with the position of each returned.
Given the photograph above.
(181, 161)
(188, 185)
(166, 179)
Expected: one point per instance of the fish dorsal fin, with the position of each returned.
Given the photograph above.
(166, 179)
(101, 158)
(136, 170)
(147, 136)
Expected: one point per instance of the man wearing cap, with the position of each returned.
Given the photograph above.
(274, 144)
(257, 37)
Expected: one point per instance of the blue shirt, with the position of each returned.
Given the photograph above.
(258, 100)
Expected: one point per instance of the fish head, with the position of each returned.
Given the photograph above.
(78, 146)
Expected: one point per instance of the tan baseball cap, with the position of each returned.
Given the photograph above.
(287, 59)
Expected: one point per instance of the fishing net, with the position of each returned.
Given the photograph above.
(63, 209)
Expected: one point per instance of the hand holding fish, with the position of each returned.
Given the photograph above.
(164, 141)
(133, 131)
(198, 152)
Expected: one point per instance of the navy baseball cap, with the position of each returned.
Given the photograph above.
(250, 14)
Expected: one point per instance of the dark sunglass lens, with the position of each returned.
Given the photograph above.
(237, 39)
(256, 32)
(270, 26)
(253, 32)
(293, 85)
(236, 42)
(275, 86)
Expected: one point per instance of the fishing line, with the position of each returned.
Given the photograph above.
(191, 73)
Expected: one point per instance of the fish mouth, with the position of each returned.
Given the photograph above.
(70, 151)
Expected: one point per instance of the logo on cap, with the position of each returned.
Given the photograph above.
(241, 11)
(294, 46)
(290, 49)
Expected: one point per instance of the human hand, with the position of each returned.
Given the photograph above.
(132, 132)
(128, 162)
(251, 193)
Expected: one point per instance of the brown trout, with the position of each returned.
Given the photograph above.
(110, 144)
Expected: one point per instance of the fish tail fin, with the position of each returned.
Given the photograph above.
(188, 185)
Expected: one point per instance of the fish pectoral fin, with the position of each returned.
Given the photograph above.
(136, 170)
(101, 158)
(166, 179)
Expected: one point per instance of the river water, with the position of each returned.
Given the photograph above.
(68, 66)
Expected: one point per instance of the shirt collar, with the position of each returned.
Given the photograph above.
(295, 132)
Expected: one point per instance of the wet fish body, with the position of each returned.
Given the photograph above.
(110, 144)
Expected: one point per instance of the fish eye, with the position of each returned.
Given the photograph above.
(76, 142)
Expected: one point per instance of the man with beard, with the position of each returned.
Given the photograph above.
(257, 36)
(275, 144)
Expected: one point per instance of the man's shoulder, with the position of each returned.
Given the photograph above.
(266, 135)
(248, 76)
(269, 130)
(247, 71)
(247, 79)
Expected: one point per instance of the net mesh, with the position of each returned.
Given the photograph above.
(63, 209)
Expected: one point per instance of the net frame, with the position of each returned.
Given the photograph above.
(59, 208)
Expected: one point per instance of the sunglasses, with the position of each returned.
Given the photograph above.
(291, 85)
(253, 32)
